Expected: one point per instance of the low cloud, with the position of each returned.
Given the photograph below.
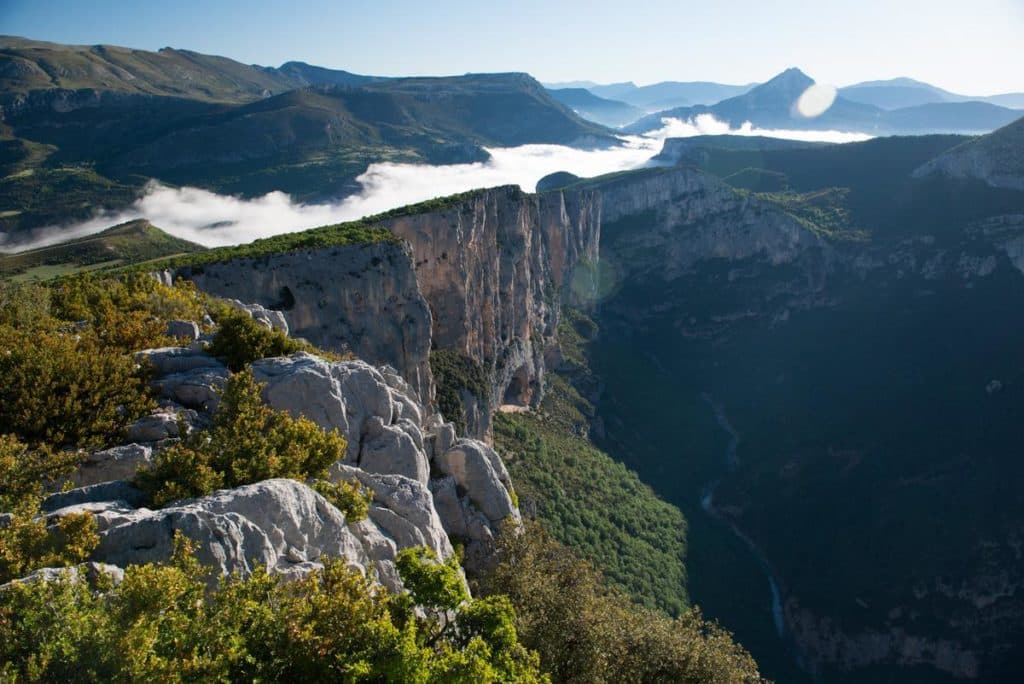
(214, 220)
(707, 124)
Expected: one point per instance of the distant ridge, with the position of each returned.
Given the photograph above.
(772, 105)
(127, 243)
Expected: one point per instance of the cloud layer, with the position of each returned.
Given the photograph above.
(707, 124)
(215, 220)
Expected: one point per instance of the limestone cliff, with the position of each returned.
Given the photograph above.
(358, 298)
(689, 217)
(493, 266)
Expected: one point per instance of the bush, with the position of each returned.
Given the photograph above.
(128, 313)
(240, 340)
(161, 624)
(351, 498)
(63, 388)
(585, 632)
(248, 442)
(25, 306)
(453, 373)
(25, 542)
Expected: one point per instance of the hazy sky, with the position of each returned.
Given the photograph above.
(974, 47)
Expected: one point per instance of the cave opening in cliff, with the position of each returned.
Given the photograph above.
(520, 389)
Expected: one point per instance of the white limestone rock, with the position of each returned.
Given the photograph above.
(403, 508)
(280, 524)
(186, 330)
(478, 470)
(199, 389)
(117, 463)
(270, 318)
(118, 491)
(90, 572)
(169, 360)
(154, 428)
(380, 423)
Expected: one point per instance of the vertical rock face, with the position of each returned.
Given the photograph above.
(358, 298)
(661, 222)
(493, 266)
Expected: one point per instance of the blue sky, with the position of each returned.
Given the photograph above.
(975, 48)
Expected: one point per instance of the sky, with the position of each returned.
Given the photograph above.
(973, 48)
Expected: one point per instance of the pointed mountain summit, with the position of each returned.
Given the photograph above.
(775, 97)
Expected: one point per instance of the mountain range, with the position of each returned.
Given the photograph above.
(773, 105)
(98, 122)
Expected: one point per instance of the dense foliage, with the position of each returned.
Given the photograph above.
(454, 374)
(248, 442)
(241, 339)
(69, 376)
(25, 542)
(63, 388)
(585, 632)
(584, 498)
(162, 624)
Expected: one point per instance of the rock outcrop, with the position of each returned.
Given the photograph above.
(391, 435)
(694, 217)
(359, 298)
(494, 265)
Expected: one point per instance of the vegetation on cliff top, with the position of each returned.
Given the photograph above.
(128, 243)
(161, 623)
(337, 235)
(249, 442)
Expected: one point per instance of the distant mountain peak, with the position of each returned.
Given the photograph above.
(790, 79)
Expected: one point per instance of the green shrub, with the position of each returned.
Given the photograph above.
(585, 632)
(161, 624)
(248, 442)
(128, 313)
(25, 306)
(454, 372)
(240, 339)
(25, 542)
(66, 388)
(351, 498)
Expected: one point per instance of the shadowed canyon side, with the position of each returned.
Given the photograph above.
(862, 330)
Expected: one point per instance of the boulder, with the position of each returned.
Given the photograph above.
(448, 506)
(117, 463)
(391, 449)
(186, 330)
(281, 525)
(403, 508)
(478, 470)
(154, 428)
(268, 317)
(199, 389)
(90, 572)
(381, 424)
(168, 360)
(119, 491)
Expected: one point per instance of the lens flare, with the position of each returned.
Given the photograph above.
(816, 100)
